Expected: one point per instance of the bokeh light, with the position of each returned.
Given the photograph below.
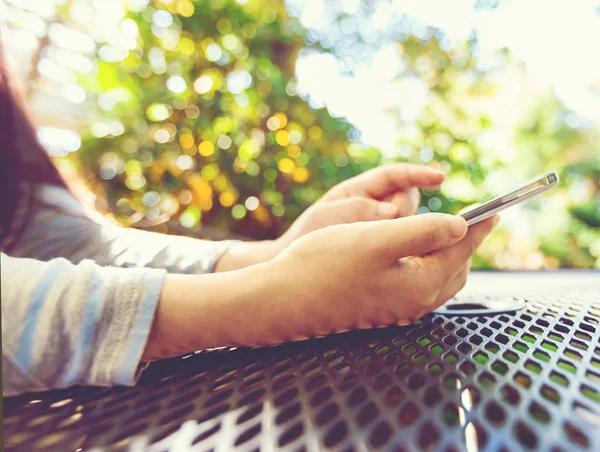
(236, 115)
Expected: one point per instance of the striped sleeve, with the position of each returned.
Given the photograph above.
(65, 324)
(61, 227)
(79, 295)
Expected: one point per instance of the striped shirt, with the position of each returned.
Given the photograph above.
(79, 295)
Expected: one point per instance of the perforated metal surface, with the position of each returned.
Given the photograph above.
(525, 381)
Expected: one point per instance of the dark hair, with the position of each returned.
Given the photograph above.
(24, 163)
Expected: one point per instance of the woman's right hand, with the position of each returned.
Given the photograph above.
(342, 277)
(371, 274)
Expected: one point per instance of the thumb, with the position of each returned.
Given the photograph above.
(416, 235)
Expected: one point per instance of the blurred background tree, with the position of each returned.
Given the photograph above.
(207, 117)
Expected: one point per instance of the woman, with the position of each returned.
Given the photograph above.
(87, 302)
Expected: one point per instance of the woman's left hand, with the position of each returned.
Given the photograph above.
(383, 193)
(386, 192)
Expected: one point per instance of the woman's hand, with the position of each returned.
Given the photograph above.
(386, 192)
(383, 193)
(372, 274)
(344, 277)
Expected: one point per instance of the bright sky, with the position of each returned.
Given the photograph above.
(558, 41)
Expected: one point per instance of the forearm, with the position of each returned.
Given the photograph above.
(237, 308)
(61, 227)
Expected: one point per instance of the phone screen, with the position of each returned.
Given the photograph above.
(500, 203)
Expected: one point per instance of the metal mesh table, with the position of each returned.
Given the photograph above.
(528, 380)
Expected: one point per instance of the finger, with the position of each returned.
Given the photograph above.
(354, 209)
(449, 259)
(384, 180)
(452, 287)
(414, 235)
(407, 201)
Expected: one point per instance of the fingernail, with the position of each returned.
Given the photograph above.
(496, 220)
(458, 227)
(386, 209)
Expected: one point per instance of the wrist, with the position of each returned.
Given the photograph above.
(245, 254)
(262, 308)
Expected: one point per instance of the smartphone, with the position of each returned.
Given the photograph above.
(486, 210)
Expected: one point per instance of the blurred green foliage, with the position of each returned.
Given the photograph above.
(212, 144)
(205, 129)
